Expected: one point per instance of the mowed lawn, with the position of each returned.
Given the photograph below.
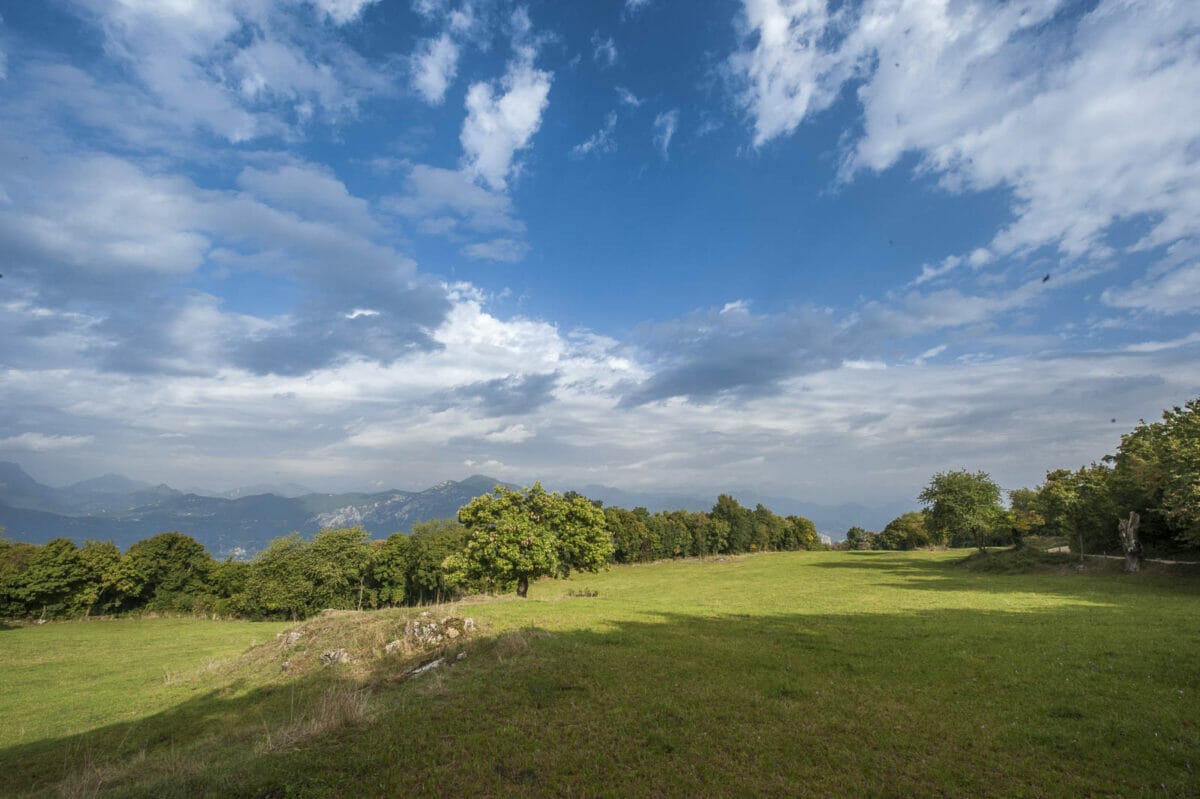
(823, 674)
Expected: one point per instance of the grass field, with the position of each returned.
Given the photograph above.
(823, 674)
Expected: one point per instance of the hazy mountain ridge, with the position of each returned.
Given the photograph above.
(125, 511)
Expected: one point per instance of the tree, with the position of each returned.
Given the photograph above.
(389, 569)
(336, 562)
(277, 582)
(112, 578)
(858, 538)
(516, 536)
(170, 571)
(15, 557)
(962, 507)
(54, 581)
(907, 531)
(740, 521)
(1156, 472)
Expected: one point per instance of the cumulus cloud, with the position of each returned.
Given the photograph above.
(448, 200)
(502, 118)
(1085, 120)
(238, 68)
(342, 12)
(513, 395)
(100, 244)
(602, 141)
(664, 130)
(434, 66)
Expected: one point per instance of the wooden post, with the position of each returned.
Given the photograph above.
(1130, 542)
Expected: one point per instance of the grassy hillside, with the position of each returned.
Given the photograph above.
(862, 673)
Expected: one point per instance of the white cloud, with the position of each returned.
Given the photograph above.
(447, 201)
(604, 51)
(310, 190)
(628, 98)
(513, 434)
(601, 141)
(932, 352)
(238, 68)
(434, 66)
(507, 250)
(664, 130)
(1177, 291)
(634, 6)
(1087, 122)
(1159, 346)
(40, 442)
(502, 120)
(342, 12)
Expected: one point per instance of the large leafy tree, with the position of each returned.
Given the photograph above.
(962, 507)
(337, 564)
(277, 581)
(907, 531)
(517, 536)
(1156, 471)
(170, 571)
(54, 581)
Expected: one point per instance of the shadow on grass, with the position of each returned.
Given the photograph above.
(1004, 571)
(938, 703)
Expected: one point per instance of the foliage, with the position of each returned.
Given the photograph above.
(858, 538)
(516, 536)
(276, 583)
(170, 572)
(907, 531)
(1157, 472)
(963, 508)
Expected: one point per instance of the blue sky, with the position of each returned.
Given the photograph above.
(785, 244)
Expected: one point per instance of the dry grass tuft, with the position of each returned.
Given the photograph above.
(335, 709)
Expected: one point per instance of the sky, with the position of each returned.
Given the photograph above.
(821, 250)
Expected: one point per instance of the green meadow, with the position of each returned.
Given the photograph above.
(788, 674)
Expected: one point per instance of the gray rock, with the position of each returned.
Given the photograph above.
(433, 664)
(393, 646)
(335, 656)
(289, 638)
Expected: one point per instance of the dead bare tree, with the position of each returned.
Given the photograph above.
(1129, 540)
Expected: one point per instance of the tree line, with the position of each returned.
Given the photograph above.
(500, 542)
(1155, 473)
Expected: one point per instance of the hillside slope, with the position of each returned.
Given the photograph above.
(797, 674)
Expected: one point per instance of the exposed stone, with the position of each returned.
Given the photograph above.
(424, 632)
(433, 664)
(393, 646)
(460, 656)
(289, 637)
(334, 656)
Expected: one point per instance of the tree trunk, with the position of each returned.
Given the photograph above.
(981, 540)
(522, 586)
(1130, 542)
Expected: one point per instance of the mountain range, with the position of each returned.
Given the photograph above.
(240, 522)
